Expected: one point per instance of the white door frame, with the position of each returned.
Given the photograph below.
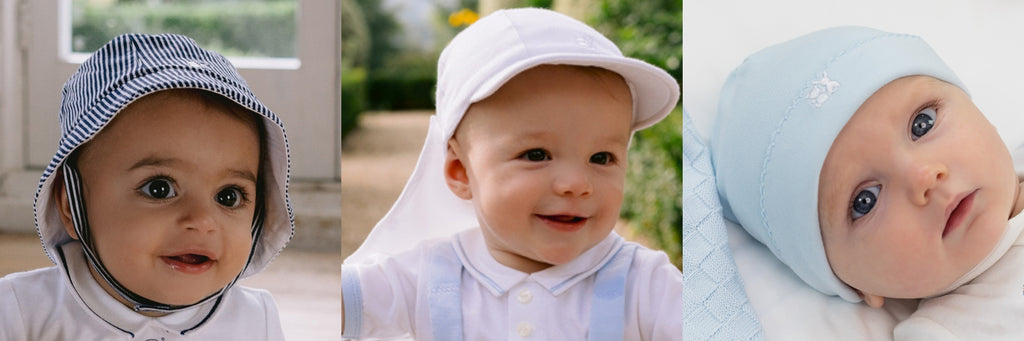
(11, 94)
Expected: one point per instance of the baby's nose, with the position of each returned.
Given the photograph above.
(924, 177)
(573, 181)
(199, 217)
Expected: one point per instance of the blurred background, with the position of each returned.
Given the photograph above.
(289, 53)
(388, 73)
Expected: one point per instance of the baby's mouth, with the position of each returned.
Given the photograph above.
(564, 222)
(189, 263)
(570, 219)
(959, 213)
(191, 258)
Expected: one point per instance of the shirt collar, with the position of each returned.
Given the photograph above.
(115, 313)
(498, 278)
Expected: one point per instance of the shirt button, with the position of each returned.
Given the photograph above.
(525, 329)
(525, 296)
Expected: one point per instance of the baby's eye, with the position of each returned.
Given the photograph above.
(602, 158)
(864, 201)
(536, 155)
(924, 120)
(230, 197)
(159, 188)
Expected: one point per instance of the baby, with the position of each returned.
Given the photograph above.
(517, 190)
(169, 184)
(858, 159)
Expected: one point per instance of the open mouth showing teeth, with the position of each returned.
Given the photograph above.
(190, 258)
(189, 263)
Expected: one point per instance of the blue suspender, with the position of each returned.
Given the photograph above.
(607, 309)
(445, 276)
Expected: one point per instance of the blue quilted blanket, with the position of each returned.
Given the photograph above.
(716, 305)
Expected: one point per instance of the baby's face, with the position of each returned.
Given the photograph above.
(915, 191)
(170, 189)
(545, 161)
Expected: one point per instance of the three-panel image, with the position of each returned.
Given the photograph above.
(510, 170)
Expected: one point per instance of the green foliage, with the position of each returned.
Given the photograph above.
(653, 197)
(651, 30)
(406, 83)
(257, 29)
(383, 29)
(353, 98)
(443, 30)
(539, 3)
(355, 35)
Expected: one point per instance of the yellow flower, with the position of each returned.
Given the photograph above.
(463, 17)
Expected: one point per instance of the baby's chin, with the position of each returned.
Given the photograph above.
(916, 289)
(560, 256)
(536, 261)
(177, 297)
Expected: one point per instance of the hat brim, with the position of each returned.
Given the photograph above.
(655, 93)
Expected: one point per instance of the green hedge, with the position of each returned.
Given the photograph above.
(650, 30)
(353, 99)
(406, 82)
(255, 29)
(393, 92)
(653, 198)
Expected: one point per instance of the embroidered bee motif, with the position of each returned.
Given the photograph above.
(822, 90)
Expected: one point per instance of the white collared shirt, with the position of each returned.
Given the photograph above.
(499, 302)
(46, 304)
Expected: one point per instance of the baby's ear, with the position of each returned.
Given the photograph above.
(873, 301)
(455, 174)
(60, 197)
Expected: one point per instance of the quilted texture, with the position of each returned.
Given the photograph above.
(716, 305)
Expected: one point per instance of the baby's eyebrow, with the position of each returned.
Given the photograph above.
(244, 174)
(166, 162)
(153, 161)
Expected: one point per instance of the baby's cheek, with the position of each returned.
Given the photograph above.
(844, 263)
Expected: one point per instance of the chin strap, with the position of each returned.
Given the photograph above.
(73, 187)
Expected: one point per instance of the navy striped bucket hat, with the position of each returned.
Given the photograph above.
(132, 66)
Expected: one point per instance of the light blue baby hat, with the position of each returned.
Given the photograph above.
(779, 113)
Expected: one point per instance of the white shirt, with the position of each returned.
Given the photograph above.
(499, 302)
(46, 304)
(989, 307)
